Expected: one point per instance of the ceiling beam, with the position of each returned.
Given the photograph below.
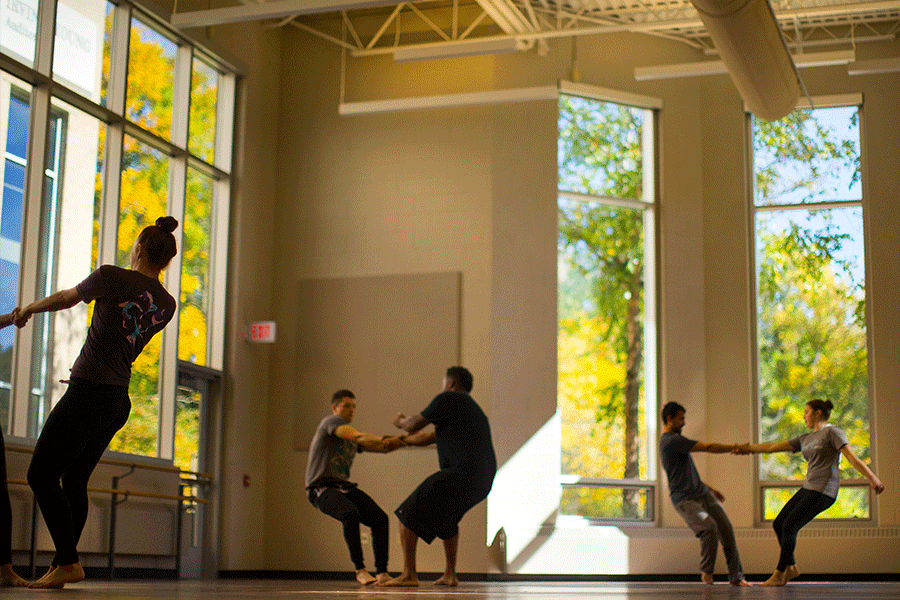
(267, 10)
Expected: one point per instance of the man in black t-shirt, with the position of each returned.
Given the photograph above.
(698, 504)
(468, 465)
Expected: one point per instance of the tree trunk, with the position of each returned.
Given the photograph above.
(633, 361)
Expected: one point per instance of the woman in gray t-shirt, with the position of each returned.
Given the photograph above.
(822, 448)
(130, 307)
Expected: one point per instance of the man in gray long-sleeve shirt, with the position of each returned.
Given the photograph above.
(698, 504)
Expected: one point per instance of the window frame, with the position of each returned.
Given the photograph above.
(649, 206)
(760, 485)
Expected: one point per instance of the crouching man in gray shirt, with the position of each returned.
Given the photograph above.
(698, 504)
(330, 490)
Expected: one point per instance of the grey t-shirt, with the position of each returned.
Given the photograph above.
(330, 457)
(684, 481)
(822, 451)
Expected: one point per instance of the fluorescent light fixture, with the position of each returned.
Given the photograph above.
(454, 49)
(586, 90)
(876, 66)
(824, 59)
(717, 67)
(550, 92)
(694, 69)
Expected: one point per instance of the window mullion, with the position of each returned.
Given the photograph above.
(46, 37)
(30, 257)
(168, 372)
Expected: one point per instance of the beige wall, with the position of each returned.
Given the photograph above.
(473, 190)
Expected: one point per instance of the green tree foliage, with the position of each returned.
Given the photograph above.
(187, 429)
(204, 88)
(144, 197)
(797, 157)
(812, 343)
(195, 281)
(811, 294)
(151, 65)
(601, 298)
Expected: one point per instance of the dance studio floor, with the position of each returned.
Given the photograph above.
(336, 590)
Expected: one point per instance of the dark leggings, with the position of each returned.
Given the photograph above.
(77, 431)
(5, 509)
(799, 510)
(351, 508)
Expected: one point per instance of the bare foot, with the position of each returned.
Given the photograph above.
(448, 579)
(402, 580)
(742, 583)
(791, 573)
(60, 576)
(382, 578)
(776, 580)
(707, 578)
(44, 577)
(364, 577)
(9, 578)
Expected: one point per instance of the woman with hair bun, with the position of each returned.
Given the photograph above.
(131, 307)
(822, 449)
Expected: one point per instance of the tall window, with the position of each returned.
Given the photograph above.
(606, 341)
(118, 154)
(14, 141)
(811, 296)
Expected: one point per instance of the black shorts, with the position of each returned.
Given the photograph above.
(436, 507)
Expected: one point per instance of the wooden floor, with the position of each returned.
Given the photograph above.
(230, 589)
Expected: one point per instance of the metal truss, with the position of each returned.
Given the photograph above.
(374, 27)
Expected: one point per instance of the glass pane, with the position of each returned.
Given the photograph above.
(600, 340)
(599, 149)
(151, 71)
(17, 132)
(9, 278)
(80, 50)
(607, 503)
(14, 132)
(141, 433)
(811, 329)
(187, 429)
(145, 177)
(108, 33)
(852, 503)
(68, 248)
(145, 188)
(195, 283)
(18, 29)
(808, 156)
(13, 199)
(204, 90)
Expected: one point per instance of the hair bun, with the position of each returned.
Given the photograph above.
(829, 404)
(167, 224)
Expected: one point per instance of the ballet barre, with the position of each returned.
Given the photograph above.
(188, 479)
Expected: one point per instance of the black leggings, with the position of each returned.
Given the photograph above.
(799, 510)
(351, 508)
(77, 431)
(5, 509)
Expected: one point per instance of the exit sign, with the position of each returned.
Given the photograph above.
(262, 331)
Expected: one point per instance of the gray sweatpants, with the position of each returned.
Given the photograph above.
(707, 519)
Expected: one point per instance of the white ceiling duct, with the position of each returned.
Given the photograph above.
(751, 46)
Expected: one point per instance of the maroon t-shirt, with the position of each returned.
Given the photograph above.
(130, 308)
